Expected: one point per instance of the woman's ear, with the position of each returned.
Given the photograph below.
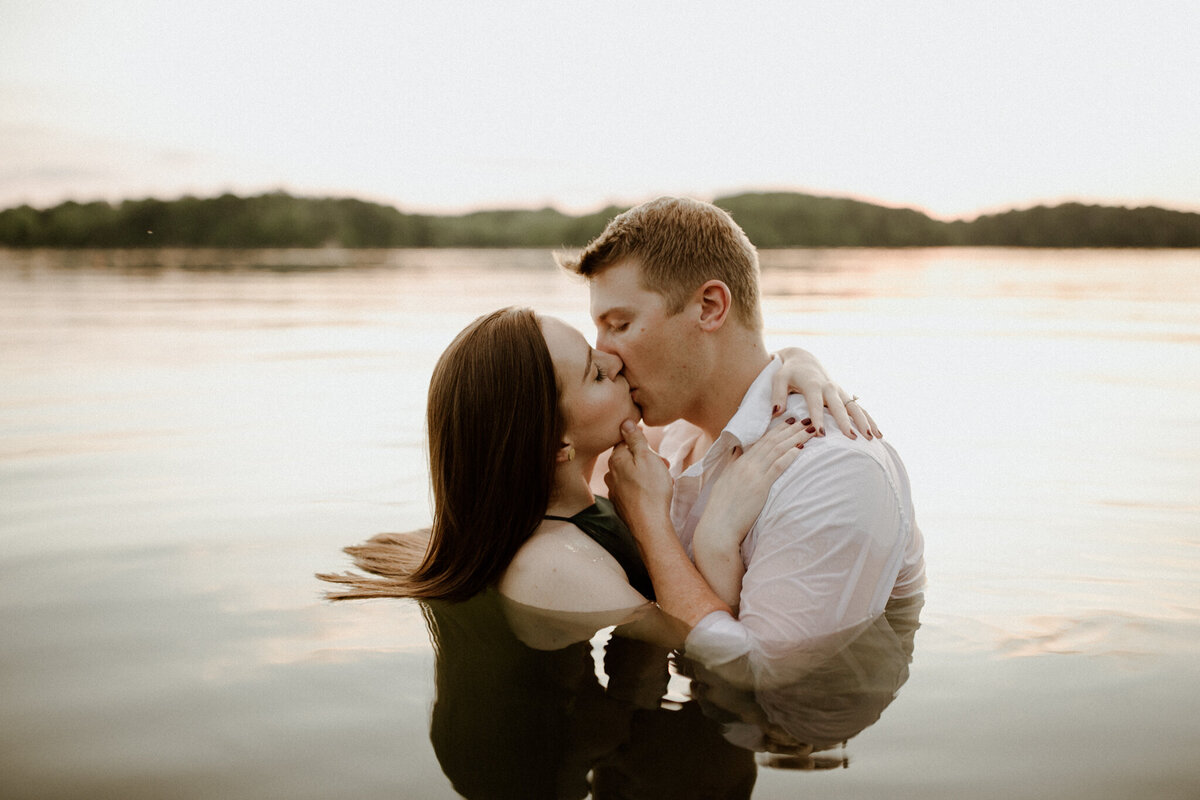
(565, 453)
(715, 303)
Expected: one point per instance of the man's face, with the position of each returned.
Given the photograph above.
(657, 348)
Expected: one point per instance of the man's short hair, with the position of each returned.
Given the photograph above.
(680, 243)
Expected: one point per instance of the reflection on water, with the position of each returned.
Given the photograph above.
(512, 721)
(182, 447)
(509, 720)
(843, 690)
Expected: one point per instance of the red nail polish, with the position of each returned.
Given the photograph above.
(790, 420)
(774, 410)
(810, 429)
(822, 432)
(799, 447)
(806, 421)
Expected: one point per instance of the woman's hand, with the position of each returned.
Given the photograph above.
(801, 373)
(736, 501)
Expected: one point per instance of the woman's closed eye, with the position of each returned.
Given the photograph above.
(601, 374)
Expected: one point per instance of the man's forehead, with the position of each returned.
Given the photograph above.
(603, 303)
(618, 289)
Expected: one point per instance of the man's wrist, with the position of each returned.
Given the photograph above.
(651, 521)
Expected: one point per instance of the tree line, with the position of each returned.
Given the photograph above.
(778, 219)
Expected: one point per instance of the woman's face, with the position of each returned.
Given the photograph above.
(594, 395)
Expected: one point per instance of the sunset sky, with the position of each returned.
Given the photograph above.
(951, 107)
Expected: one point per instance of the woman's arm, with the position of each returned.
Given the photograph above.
(801, 373)
(737, 499)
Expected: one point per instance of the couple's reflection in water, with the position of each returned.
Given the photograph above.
(531, 704)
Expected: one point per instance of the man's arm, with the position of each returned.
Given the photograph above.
(827, 549)
(640, 486)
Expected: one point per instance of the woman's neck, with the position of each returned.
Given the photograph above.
(571, 492)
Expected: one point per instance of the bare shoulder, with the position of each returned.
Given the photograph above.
(561, 568)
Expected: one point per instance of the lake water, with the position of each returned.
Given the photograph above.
(187, 436)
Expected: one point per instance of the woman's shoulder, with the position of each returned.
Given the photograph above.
(559, 547)
(562, 568)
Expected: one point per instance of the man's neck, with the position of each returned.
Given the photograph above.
(740, 363)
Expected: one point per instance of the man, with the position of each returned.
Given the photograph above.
(674, 294)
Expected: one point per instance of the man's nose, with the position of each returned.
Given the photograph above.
(604, 343)
(613, 362)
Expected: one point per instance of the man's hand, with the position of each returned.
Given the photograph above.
(638, 481)
(640, 486)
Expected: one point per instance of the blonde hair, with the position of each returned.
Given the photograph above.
(680, 243)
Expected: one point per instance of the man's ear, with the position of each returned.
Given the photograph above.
(716, 301)
(565, 453)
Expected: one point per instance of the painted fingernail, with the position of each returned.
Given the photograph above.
(790, 420)
(799, 447)
(810, 429)
(821, 431)
(806, 421)
(774, 410)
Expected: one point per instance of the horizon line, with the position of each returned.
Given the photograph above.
(575, 210)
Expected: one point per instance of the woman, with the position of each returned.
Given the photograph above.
(520, 410)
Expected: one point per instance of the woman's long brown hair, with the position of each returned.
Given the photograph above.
(494, 427)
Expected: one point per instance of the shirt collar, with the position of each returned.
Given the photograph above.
(747, 425)
(753, 416)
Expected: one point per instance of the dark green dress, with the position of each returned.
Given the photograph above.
(600, 522)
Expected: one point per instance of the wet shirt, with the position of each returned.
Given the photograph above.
(836, 539)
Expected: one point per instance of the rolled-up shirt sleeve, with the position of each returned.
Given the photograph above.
(823, 558)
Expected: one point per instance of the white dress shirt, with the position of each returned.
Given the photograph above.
(836, 539)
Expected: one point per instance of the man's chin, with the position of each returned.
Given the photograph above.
(650, 420)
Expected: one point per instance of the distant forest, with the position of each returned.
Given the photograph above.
(770, 220)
